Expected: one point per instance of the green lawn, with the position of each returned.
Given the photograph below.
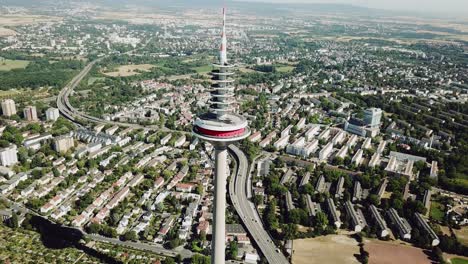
(437, 211)
(8, 65)
(459, 261)
(203, 69)
(95, 79)
(286, 68)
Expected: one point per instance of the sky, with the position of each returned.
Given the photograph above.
(432, 6)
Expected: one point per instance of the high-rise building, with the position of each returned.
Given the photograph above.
(221, 127)
(30, 113)
(52, 114)
(63, 143)
(372, 116)
(8, 107)
(9, 156)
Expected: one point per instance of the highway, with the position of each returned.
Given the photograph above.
(239, 191)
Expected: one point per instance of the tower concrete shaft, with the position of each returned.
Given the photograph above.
(221, 126)
(219, 223)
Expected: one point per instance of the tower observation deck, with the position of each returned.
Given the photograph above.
(221, 126)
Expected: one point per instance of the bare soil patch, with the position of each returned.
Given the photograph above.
(390, 252)
(325, 249)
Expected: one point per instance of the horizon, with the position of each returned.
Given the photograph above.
(430, 7)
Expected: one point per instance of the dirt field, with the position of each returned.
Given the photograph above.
(381, 252)
(16, 20)
(462, 235)
(5, 32)
(327, 249)
(129, 70)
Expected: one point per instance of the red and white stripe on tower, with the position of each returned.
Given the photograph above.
(223, 49)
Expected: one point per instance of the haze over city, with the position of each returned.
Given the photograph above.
(176, 131)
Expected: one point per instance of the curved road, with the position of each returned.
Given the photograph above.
(239, 191)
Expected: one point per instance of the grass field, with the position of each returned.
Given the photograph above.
(129, 70)
(9, 93)
(95, 79)
(325, 249)
(8, 65)
(437, 211)
(381, 252)
(462, 235)
(286, 68)
(203, 69)
(459, 261)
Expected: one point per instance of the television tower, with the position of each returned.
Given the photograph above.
(221, 126)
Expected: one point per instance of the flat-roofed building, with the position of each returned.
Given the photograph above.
(326, 151)
(339, 187)
(367, 143)
(422, 223)
(289, 202)
(52, 114)
(400, 224)
(357, 191)
(333, 213)
(357, 220)
(320, 185)
(63, 143)
(9, 155)
(379, 221)
(305, 179)
(427, 200)
(287, 176)
(375, 160)
(434, 169)
(8, 107)
(282, 142)
(357, 158)
(312, 207)
(30, 113)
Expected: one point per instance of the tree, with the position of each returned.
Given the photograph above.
(168, 260)
(93, 228)
(13, 221)
(289, 231)
(130, 235)
(233, 250)
(321, 220)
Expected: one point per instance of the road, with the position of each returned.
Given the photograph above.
(239, 191)
(158, 249)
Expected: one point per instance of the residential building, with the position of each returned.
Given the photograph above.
(400, 224)
(334, 213)
(63, 143)
(372, 116)
(52, 114)
(9, 155)
(379, 221)
(8, 107)
(427, 229)
(30, 113)
(357, 219)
